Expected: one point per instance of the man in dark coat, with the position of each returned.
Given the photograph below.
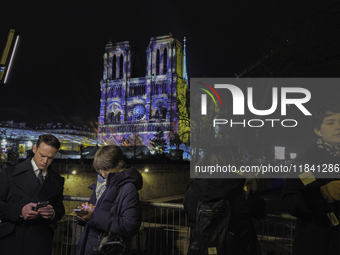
(313, 197)
(314, 232)
(24, 229)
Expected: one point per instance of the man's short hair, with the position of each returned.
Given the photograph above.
(50, 140)
(321, 112)
(108, 157)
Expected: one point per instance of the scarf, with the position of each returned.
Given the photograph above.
(332, 150)
(101, 185)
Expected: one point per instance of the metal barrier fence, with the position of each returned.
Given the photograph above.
(165, 231)
(276, 233)
(67, 231)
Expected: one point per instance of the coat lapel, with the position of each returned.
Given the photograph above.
(25, 179)
(51, 187)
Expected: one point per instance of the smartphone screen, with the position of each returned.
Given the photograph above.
(40, 205)
(78, 210)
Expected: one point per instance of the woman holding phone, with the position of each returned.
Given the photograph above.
(114, 204)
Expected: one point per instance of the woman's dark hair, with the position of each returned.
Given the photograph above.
(324, 111)
(50, 140)
(109, 157)
(220, 155)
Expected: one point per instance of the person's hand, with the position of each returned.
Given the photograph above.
(331, 191)
(46, 212)
(86, 211)
(27, 213)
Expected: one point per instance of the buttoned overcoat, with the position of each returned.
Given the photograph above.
(18, 187)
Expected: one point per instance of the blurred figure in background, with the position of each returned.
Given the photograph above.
(220, 211)
(3, 162)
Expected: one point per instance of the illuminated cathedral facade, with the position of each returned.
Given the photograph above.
(134, 108)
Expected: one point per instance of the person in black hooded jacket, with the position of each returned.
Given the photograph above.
(243, 198)
(114, 205)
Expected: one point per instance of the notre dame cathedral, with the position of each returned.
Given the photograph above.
(133, 108)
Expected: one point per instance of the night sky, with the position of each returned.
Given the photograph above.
(58, 65)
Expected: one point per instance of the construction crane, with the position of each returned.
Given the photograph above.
(7, 56)
(268, 88)
(263, 59)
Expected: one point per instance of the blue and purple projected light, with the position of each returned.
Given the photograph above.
(138, 112)
(144, 102)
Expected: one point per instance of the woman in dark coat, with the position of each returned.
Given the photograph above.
(114, 205)
(245, 203)
(314, 200)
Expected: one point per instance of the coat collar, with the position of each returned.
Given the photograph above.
(23, 167)
(25, 179)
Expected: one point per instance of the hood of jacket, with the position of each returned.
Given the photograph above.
(128, 175)
(119, 179)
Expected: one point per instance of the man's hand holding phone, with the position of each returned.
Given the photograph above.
(28, 213)
(43, 209)
(47, 212)
(40, 205)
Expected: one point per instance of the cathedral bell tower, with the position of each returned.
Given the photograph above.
(133, 109)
